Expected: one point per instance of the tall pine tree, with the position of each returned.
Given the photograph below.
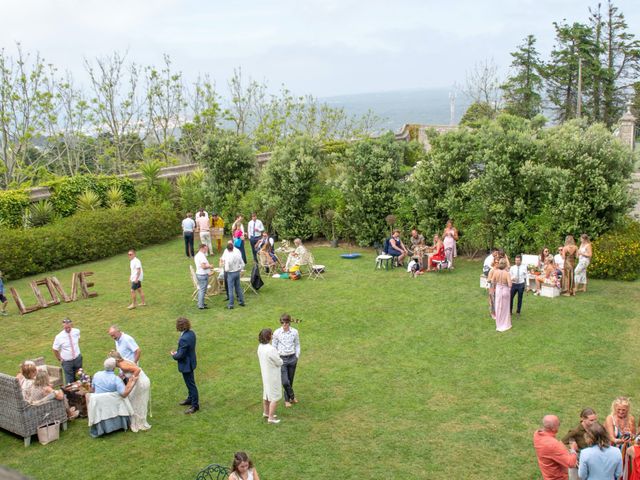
(521, 91)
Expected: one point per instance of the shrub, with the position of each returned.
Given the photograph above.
(616, 254)
(12, 206)
(115, 198)
(41, 213)
(88, 200)
(65, 191)
(85, 237)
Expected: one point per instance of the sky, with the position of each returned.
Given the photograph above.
(318, 47)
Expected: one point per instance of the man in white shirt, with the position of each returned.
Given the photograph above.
(203, 271)
(287, 341)
(488, 262)
(126, 346)
(188, 227)
(519, 278)
(559, 260)
(66, 348)
(255, 233)
(136, 279)
(233, 265)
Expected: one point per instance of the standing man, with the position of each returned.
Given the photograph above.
(233, 265)
(136, 279)
(66, 348)
(553, 457)
(203, 271)
(217, 230)
(519, 277)
(255, 233)
(188, 227)
(186, 358)
(202, 222)
(287, 341)
(126, 346)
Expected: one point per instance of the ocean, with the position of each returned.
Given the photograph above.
(423, 106)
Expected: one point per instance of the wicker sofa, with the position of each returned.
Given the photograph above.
(54, 371)
(18, 417)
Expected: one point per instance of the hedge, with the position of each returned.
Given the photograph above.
(616, 254)
(65, 190)
(12, 206)
(84, 237)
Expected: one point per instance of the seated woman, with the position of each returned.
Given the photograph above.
(397, 248)
(40, 391)
(297, 255)
(437, 254)
(268, 258)
(548, 275)
(26, 375)
(139, 396)
(542, 258)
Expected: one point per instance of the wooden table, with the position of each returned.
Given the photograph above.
(76, 396)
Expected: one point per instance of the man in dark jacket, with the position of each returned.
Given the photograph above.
(186, 358)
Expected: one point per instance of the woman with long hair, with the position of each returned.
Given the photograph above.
(242, 468)
(502, 281)
(569, 254)
(584, 258)
(237, 231)
(450, 236)
(270, 363)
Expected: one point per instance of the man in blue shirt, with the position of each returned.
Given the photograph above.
(106, 381)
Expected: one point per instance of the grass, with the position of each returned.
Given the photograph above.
(399, 378)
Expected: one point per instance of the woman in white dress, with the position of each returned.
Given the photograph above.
(270, 363)
(584, 258)
(140, 394)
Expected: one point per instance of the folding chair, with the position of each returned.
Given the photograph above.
(245, 283)
(315, 271)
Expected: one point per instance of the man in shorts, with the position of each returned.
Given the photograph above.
(136, 279)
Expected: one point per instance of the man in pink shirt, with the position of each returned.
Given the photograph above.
(553, 458)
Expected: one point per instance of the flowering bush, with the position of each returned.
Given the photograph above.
(616, 254)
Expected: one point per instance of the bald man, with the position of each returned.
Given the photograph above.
(553, 458)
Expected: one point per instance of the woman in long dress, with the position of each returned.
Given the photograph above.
(140, 394)
(502, 281)
(584, 258)
(450, 236)
(237, 231)
(270, 363)
(569, 254)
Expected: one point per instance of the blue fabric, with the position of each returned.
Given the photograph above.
(387, 246)
(186, 353)
(597, 464)
(109, 425)
(190, 382)
(107, 382)
(1, 286)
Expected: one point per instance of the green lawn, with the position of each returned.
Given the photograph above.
(399, 378)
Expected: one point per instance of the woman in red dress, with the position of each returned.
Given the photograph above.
(438, 255)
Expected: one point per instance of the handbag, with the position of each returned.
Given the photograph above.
(237, 242)
(49, 433)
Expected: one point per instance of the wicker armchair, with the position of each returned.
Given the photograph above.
(54, 371)
(18, 417)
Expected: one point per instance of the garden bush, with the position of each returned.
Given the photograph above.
(65, 191)
(84, 237)
(616, 254)
(12, 206)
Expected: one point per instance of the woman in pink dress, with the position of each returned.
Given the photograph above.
(450, 236)
(502, 281)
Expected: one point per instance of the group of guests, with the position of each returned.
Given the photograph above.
(106, 413)
(424, 257)
(505, 282)
(590, 450)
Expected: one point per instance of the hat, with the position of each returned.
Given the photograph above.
(67, 320)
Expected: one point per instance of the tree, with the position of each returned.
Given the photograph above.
(287, 183)
(205, 110)
(165, 105)
(482, 84)
(477, 113)
(373, 178)
(230, 170)
(115, 109)
(521, 91)
(243, 100)
(26, 106)
(574, 46)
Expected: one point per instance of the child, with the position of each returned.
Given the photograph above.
(3, 299)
